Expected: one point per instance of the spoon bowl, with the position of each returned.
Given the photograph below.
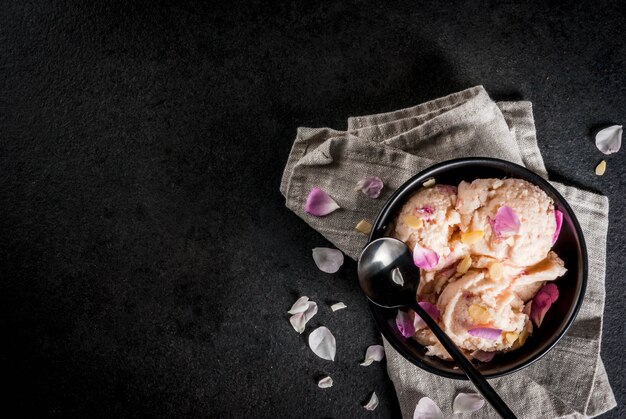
(387, 274)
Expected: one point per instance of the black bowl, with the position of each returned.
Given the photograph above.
(570, 247)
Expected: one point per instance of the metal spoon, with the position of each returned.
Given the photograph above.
(389, 278)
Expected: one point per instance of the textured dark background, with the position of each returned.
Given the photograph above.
(146, 256)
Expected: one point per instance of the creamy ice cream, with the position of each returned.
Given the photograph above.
(429, 218)
(481, 202)
(492, 239)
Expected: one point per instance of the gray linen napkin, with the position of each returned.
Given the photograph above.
(570, 381)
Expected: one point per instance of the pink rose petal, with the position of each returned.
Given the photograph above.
(299, 320)
(325, 382)
(431, 310)
(424, 258)
(323, 343)
(319, 203)
(609, 139)
(373, 353)
(372, 403)
(542, 303)
(371, 186)
(446, 273)
(404, 324)
(427, 409)
(552, 290)
(505, 223)
(328, 260)
(483, 356)
(485, 333)
(425, 212)
(300, 305)
(558, 215)
(448, 188)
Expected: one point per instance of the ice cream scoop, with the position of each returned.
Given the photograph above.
(389, 278)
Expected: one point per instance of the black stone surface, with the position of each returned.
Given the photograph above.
(146, 256)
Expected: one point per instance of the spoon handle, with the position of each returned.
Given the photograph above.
(466, 365)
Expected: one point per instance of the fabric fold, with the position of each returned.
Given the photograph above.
(570, 381)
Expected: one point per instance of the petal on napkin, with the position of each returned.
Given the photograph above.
(467, 402)
(328, 260)
(506, 222)
(404, 324)
(558, 216)
(485, 332)
(325, 382)
(372, 403)
(300, 305)
(542, 303)
(319, 203)
(338, 306)
(427, 409)
(299, 320)
(483, 356)
(373, 353)
(371, 186)
(609, 140)
(430, 309)
(323, 343)
(424, 258)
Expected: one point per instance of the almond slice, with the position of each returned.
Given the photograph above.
(601, 168)
(523, 336)
(511, 337)
(364, 227)
(472, 237)
(496, 271)
(479, 314)
(412, 221)
(429, 183)
(464, 265)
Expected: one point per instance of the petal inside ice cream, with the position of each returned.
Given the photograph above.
(474, 299)
(429, 218)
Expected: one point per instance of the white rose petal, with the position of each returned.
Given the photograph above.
(338, 306)
(373, 353)
(427, 409)
(328, 260)
(373, 403)
(371, 186)
(396, 276)
(299, 320)
(325, 382)
(323, 343)
(467, 403)
(300, 305)
(609, 140)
